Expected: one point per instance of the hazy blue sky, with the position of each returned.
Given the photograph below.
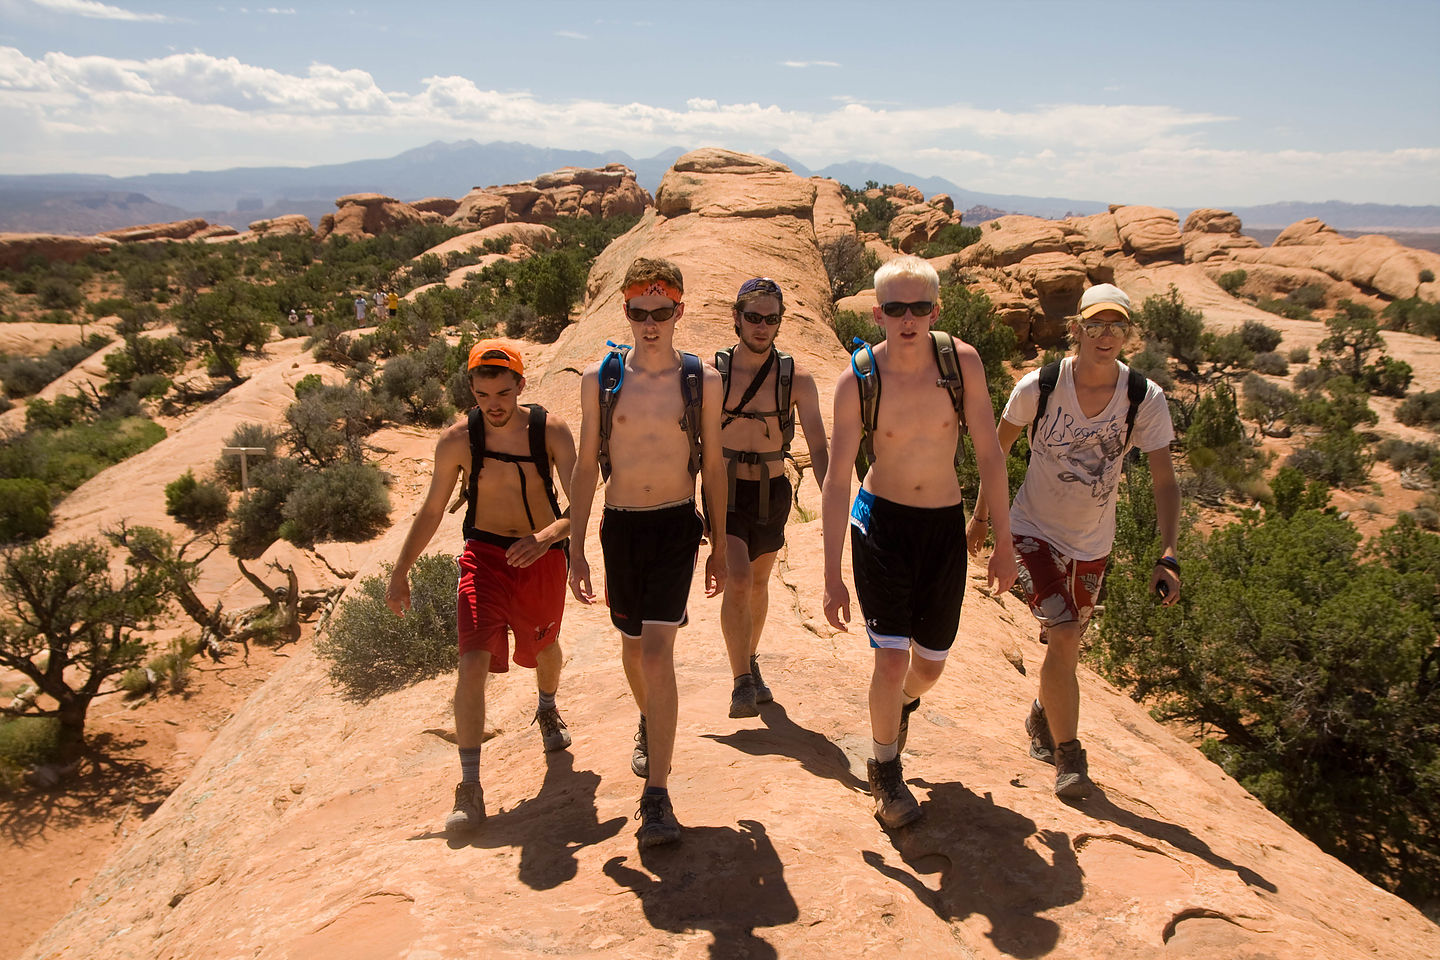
(1205, 103)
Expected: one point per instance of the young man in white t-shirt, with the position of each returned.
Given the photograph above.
(1063, 518)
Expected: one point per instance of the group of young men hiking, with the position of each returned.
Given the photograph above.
(653, 418)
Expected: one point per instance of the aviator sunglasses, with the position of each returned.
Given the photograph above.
(659, 315)
(897, 308)
(1098, 329)
(769, 319)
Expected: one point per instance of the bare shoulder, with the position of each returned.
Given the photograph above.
(556, 426)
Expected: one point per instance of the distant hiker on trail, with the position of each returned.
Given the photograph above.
(309, 317)
(360, 309)
(379, 304)
(769, 390)
(906, 402)
(1083, 412)
(393, 304)
(512, 570)
(294, 317)
(649, 440)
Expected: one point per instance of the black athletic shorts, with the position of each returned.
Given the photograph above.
(649, 562)
(909, 572)
(743, 518)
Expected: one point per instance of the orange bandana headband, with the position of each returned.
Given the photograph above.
(653, 288)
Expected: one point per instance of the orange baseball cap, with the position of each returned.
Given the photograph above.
(496, 353)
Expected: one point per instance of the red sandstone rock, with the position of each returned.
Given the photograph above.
(175, 230)
(291, 223)
(16, 248)
(916, 225)
(368, 215)
(1012, 238)
(1149, 233)
(444, 206)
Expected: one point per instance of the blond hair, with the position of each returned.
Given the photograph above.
(907, 268)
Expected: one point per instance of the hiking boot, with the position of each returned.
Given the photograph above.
(1072, 773)
(1042, 745)
(905, 710)
(469, 810)
(895, 805)
(553, 732)
(640, 759)
(742, 698)
(762, 692)
(658, 825)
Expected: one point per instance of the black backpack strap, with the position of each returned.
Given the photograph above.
(476, 426)
(948, 360)
(735, 413)
(1136, 389)
(692, 392)
(612, 376)
(722, 364)
(867, 378)
(1049, 377)
(541, 455)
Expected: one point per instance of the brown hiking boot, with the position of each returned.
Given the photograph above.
(469, 810)
(658, 825)
(640, 759)
(762, 692)
(742, 698)
(1042, 745)
(1072, 773)
(905, 710)
(895, 805)
(553, 732)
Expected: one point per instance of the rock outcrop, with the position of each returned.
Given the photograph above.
(291, 223)
(369, 215)
(1148, 233)
(17, 248)
(1369, 263)
(607, 191)
(174, 230)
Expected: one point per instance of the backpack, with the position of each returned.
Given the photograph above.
(1135, 391)
(538, 456)
(612, 377)
(867, 376)
(783, 409)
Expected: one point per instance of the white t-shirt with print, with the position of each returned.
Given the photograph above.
(1068, 497)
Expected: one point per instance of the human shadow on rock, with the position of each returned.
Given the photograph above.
(986, 867)
(719, 879)
(548, 827)
(783, 737)
(1101, 807)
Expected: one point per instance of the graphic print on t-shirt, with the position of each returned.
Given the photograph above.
(1089, 453)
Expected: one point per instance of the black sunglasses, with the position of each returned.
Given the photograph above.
(659, 315)
(920, 308)
(769, 319)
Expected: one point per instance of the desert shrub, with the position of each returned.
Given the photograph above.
(1232, 281)
(372, 652)
(65, 458)
(429, 269)
(1221, 457)
(172, 668)
(257, 515)
(308, 384)
(1387, 377)
(226, 468)
(1284, 308)
(1166, 319)
(58, 293)
(66, 410)
(1354, 335)
(347, 501)
(145, 356)
(24, 743)
(1265, 403)
(1311, 296)
(24, 509)
(417, 380)
(849, 324)
(1298, 355)
(1260, 337)
(1420, 409)
(1227, 351)
(1151, 361)
(1427, 276)
(196, 504)
(330, 424)
(850, 266)
(1314, 377)
(951, 238)
(875, 213)
(24, 376)
(1270, 363)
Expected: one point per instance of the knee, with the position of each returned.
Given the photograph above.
(927, 670)
(890, 667)
(474, 671)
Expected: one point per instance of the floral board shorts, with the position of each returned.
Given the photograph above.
(1058, 588)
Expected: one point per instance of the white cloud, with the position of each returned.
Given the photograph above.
(571, 35)
(98, 11)
(802, 64)
(103, 114)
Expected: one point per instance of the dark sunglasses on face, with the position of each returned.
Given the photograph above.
(1097, 330)
(659, 315)
(920, 308)
(769, 319)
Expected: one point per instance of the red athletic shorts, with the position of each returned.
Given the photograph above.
(1059, 588)
(494, 595)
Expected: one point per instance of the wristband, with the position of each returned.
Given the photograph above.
(1169, 563)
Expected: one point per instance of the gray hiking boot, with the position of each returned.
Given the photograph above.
(658, 825)
(640, 759)
(895, 805)
(905, 710)
(762, 692)
(1072, 773)
(1042, 745)
(742, 698)
(469, 810)
(553, 732)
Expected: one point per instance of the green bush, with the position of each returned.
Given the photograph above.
(1165, 319)
(1387, 377)
(850, 266)
(1151, 361)
(64, 459)
(1427, 276)
(1420, 409)
(24, 743)
(372, 652)
(1226, 351)
(347, 501)
(309, 383)
(1413, 314)
(24, 376)
(1311, 296)
(849, 324)
(418, 381)
(196, 504)
(227, 466)
(1260, 337)
(24, 509)
(951, 238)
(1270, 363)
(330, 424)
(257, 514)
(1232, 281)
(1298, 355)
(57, 293)
(1284, 308)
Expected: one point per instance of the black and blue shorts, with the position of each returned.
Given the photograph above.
(649, 562)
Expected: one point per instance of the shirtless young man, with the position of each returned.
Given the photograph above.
(512, 571)
(756, 436)
(650, 532)
(907, 525)
(1064, 513)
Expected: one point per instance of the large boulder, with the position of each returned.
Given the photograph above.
(368, 215)
(534, 236)
(1012, 238)
(1149, 233)
(1371, 262)
(480, 208)
(17, 248)
(1213, 235)
(722, 183)
(291, 223)
(608, 191)
(445, 206)
(916, 225)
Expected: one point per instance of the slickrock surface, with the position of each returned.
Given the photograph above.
(311, 826)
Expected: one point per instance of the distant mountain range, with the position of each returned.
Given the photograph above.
(87, 203)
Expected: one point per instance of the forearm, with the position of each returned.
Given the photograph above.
(820, 464)
(426, 522)
(995, 489)
(834, 517)
(1167, 517)
(715, 488)
(582, 499)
